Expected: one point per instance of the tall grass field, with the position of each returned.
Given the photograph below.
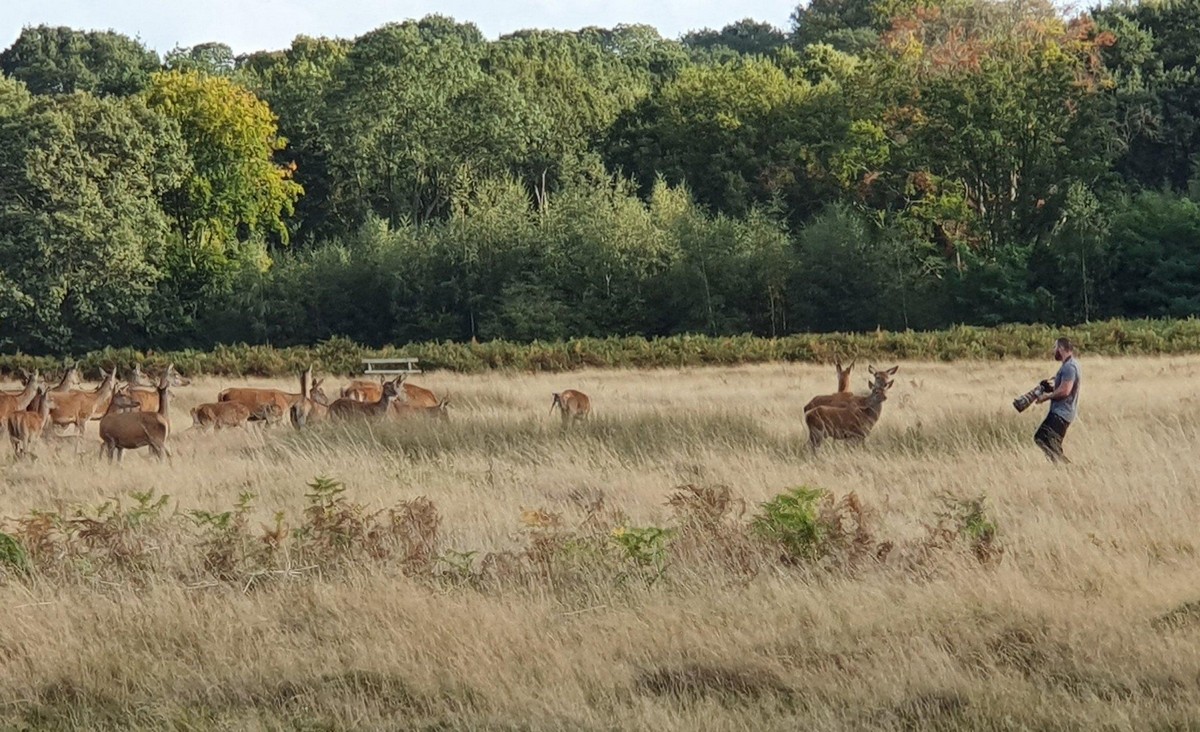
(680, 561)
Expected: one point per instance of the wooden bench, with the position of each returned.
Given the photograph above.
(390, 366)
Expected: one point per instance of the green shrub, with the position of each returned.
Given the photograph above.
(792, 520)
(344, 357)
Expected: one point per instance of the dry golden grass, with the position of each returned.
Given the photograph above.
(1084, 622)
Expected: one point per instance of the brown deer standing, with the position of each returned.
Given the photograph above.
(121, 430)
(573, 405)
(10, 403)
(25, 427)
(841, 398)
(77, 407)
(256, 398)
(853, 420)
(346, 408)
(147, 396)
(313, 405)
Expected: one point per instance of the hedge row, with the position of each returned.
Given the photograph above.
(343, 357)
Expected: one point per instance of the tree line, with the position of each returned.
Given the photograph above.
(881, 163)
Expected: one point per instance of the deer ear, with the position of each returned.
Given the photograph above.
(870, 368)
(893, 370)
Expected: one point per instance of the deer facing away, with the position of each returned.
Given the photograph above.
(573, 405)
(27, 426)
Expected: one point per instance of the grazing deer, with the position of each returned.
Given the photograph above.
(128, 430)
(147, 396)
(25, 427)
(850, 421)
(77, 407)
(313, 405)
(220, 415)
(10, 403)
(346, 408)
(843, 397)
(573, 405)
(440, 410)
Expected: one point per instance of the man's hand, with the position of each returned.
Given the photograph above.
(1062, 392)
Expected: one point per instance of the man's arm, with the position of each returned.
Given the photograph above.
(1062, 392)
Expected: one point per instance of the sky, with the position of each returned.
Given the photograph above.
(253, 25)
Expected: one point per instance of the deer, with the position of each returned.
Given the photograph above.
(10, 403)
(365, 390)
(852, 421)
(842, 397)
(25, 427)
(440, 410)
(573, 405)
(129, 430)
(255, 398)
(147, 396)
(137, 378)
(313, 405)
(347, 408)
(843, 375)
(77, 407)
(220, 415)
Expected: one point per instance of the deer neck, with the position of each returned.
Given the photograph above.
(164, 401)
(873, 409)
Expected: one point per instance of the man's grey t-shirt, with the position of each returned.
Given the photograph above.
(1067, 408)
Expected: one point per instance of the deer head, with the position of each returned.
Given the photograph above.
(317, 394)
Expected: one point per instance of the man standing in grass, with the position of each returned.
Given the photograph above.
(1064, 403)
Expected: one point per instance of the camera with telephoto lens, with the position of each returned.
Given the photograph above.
(1022, 402)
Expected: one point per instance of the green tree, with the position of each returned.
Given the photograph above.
(215, 59)
(413, 119)
(850, 26)
(81, 232)
(746, 37)
(571, 93)
(57, 60)
(739, 135)
(235, 183)
(296, 83)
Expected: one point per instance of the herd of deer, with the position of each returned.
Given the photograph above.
(136, 414)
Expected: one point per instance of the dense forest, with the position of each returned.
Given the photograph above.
(895, 164)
